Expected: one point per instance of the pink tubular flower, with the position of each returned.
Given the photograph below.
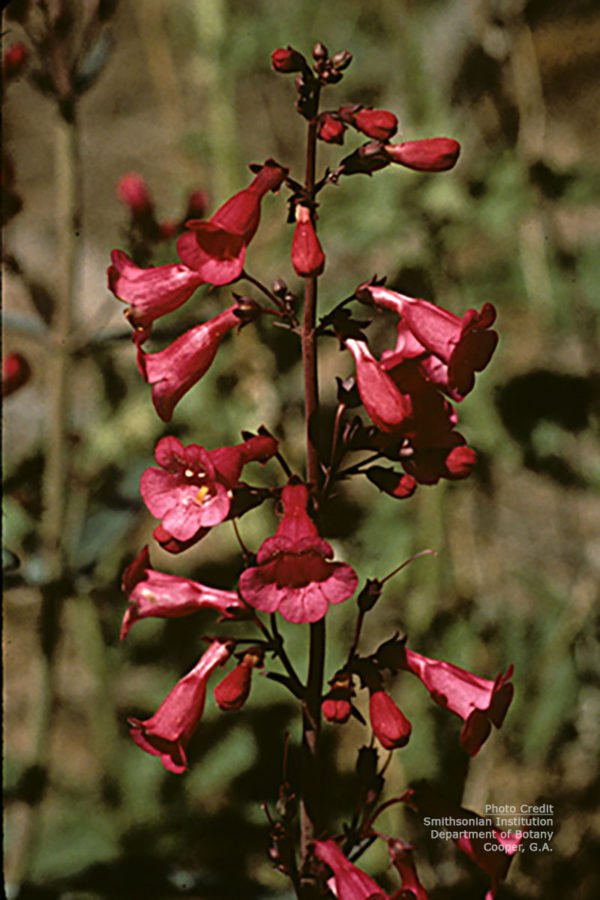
(192, 489)
(431, 155)
(155, 594)
(351, 883)
(464, 345)
(387, 407)
(216, 249)
(294, 575)
(168, 731)
(150, 293)
(391, 727)
(177, 368)
(480, 703)
(401, 855)
(308, 258)
(16, 372)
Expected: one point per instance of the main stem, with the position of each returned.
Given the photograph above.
(311, 720)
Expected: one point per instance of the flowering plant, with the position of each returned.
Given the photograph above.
(408, 393)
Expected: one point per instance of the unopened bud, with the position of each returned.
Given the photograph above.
(286, 59)
(391, 727)
(247, 309)
(233, 691)
(14, 60)
(393, 483)
(16, 372)
(369, 595)
(196, 204)
(432, 155)
(308, 258)
(341, 60)
(378, 124)
(133, 191)
(330, 129)
(320, 52)
(279, 288)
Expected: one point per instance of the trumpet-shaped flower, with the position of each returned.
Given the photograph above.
(177, 368)
(465, 345)
(308, 258)
(192, 489)
(294, 575)
(216, 249)
(168, 731)
(154, 594)
(152, 292)
(429, 155)
(480, 703)
(349, 882)
(387, 407)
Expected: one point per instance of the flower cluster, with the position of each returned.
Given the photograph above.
(408, 393)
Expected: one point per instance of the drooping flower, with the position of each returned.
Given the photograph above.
(308, 258)
(16, 372)
(192, 488)
(430, 155)
(154, 594)
(152, 292)
(350, 882)
(401, 855)
(479, 702)
(168, 731)
(216, 249)
(233, 691)
(391, 727)
(177, 368)
(294, 575)
(393, 483)
(465, 345)
(387, 407)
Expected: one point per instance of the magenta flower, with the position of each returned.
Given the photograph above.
(150, 293)
(192, 489)
(464, 345)
(391, 727)
(479, 703)
(330, 129)
(216, 249)
(378, 124)
(308, 258)
(294, 575)
(387, 407)
(168, 731)
(155, 594)
(350, 882)
(286, 60)
(430, 155)
(177, 368)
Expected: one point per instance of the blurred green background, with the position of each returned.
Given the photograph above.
(188, 99)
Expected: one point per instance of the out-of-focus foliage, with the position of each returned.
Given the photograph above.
(188, 100)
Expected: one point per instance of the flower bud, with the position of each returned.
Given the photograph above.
(308, 258)
(341, 60)
(320, 52)
(330, 129)
(432, 155)
(196, 205)
(133, 191)
(286, 59)
(460, 462)
(392, 482)
(391, 727)
(369, 595)
(337, 704)
(378, 124)
(233, 691)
